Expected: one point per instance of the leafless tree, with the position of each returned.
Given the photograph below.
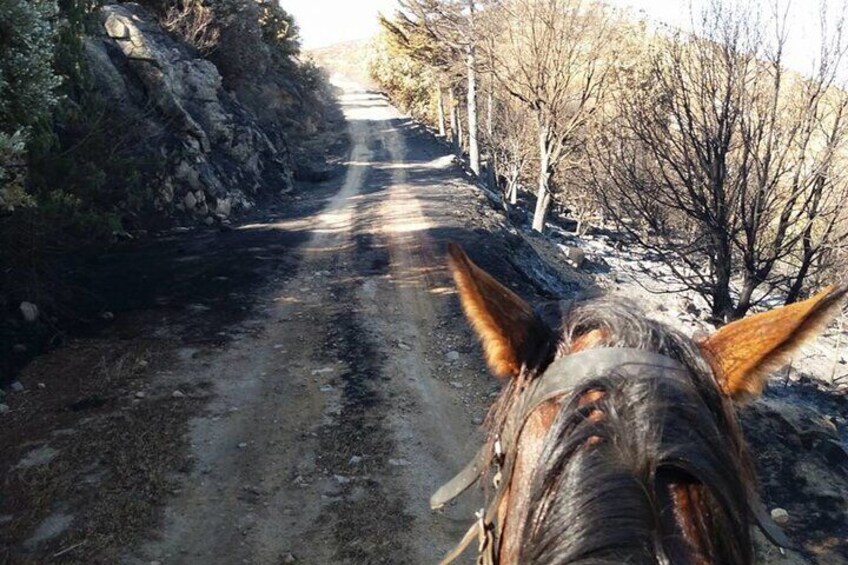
(553, 56)
(452, 23)
(509, 140)
(732, 167)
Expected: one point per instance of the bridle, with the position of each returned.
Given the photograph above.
(561, 377)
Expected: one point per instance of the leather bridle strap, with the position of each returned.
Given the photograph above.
(562, 376)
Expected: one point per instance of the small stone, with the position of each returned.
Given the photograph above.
(455, 384)
(17, 386)
(289, 558)
(690, 308)
(42, 386)
(341, 479)
(209, 220)
(398, 462)
(477, 420)
(780, 516)
(452, 355)
(242, 445)
(29, 311)
(178, 394)
(4, 408)
(403, 346)
(140, 394)
(355, 460)
(108, 316)
(326, 388)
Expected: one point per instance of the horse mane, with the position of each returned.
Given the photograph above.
(604, 491)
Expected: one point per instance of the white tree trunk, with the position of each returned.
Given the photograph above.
(543, 194)
(473, 145)
(512, 191)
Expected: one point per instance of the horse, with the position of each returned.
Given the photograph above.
(615, 437)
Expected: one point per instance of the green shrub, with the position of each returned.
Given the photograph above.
(28, 84)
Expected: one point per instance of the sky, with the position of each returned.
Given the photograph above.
(326, 22)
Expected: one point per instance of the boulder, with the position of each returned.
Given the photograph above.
(29, 311)
(574, 255)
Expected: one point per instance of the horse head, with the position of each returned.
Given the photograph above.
(615, 437)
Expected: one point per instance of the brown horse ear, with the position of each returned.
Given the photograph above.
(744, 352)
(509, 330)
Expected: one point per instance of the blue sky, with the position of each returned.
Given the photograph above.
(325, 22)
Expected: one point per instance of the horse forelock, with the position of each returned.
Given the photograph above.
(662, 477)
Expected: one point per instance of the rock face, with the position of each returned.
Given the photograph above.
(212, 156)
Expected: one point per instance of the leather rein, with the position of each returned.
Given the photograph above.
(562, 376)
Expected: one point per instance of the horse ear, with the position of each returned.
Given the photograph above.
(506, 325)
(744, 352)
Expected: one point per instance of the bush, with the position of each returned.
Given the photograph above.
(28, 86)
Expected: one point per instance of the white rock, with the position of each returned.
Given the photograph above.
(452, 355)
(780, 516)
(178, 394)
(455, 384)
(398, 462)
(342, 480)
(355, 460)
(403, 346)
(29, 311)
(140, 394)
(242, 445)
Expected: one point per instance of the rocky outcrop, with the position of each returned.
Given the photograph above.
(212, 156)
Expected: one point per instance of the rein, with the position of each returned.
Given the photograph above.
(562, 376)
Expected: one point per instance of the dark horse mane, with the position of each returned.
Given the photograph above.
(613, 490)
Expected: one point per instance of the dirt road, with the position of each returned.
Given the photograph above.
(329, 428)
(292, 390)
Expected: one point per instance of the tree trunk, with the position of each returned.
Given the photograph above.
(745, 296)
(543, 193)
(471, 68)
(723, 310)
(441, 109)
(454, 123)
(490, 109)
(806, 262)
(512, 187)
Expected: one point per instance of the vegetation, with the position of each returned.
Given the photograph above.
(78, 170)
(28, 84)
(701, 145)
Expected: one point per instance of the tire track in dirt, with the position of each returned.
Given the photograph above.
(331, 427)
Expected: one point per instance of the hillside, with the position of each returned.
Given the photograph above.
(349, 58)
